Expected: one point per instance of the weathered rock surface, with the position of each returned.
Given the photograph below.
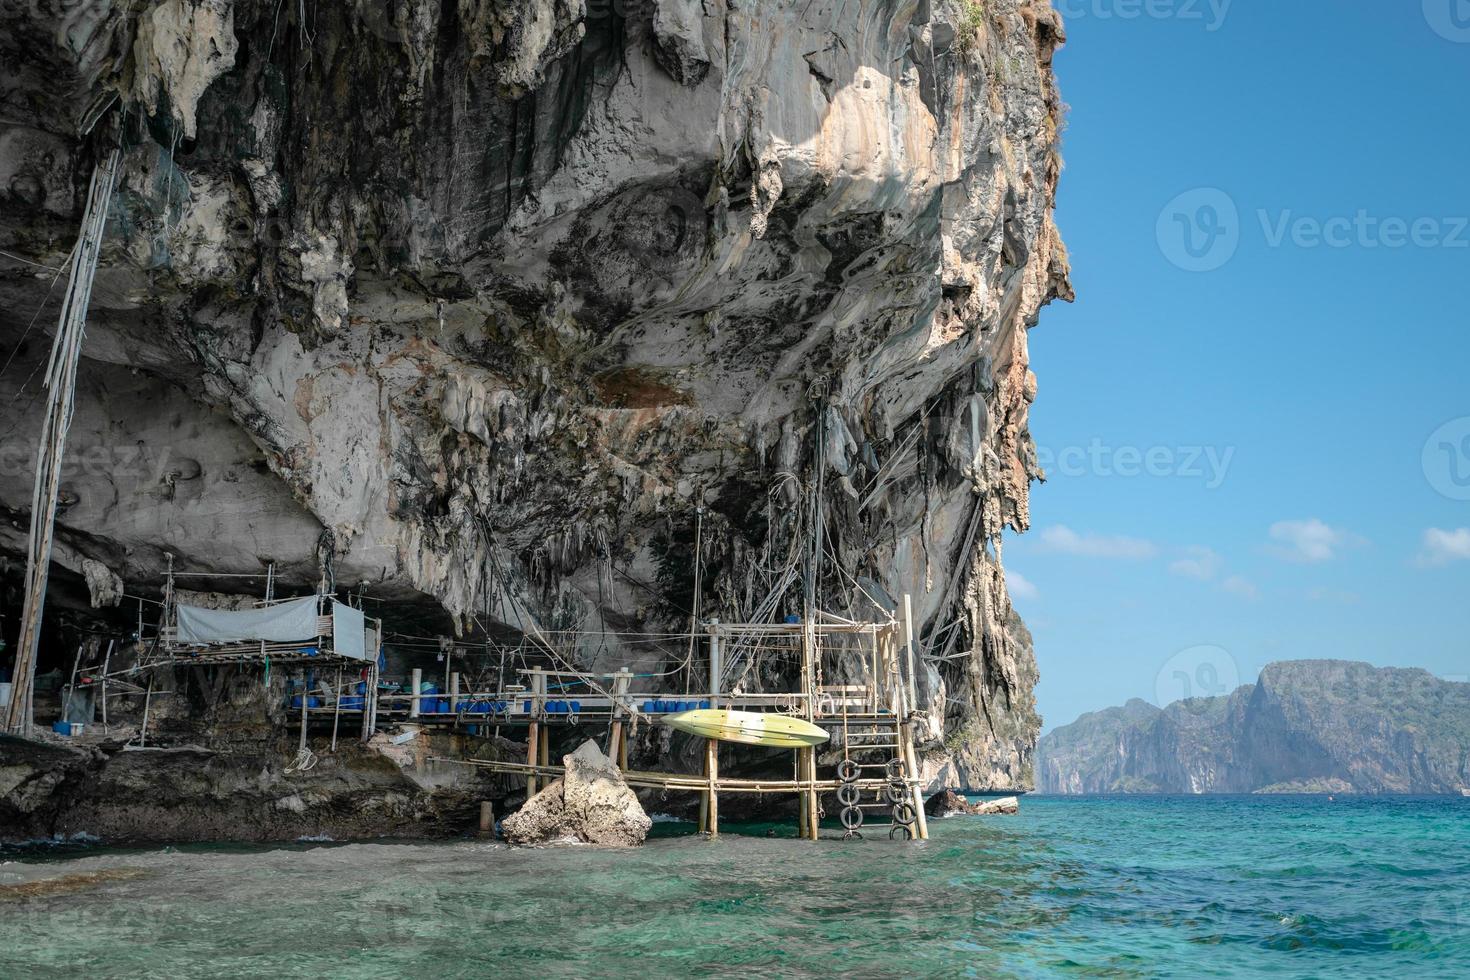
(948, 803)
(590, 804)
(1006, 804)
(474, 306)
(1318, 726)
(199, 794)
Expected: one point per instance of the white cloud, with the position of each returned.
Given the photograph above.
(1443, 547)
(1020, 587)
(1064, 540)
(1309, 540)
(1199, 562)
(1243, 587)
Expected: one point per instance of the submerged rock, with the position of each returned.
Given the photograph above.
(590, 804)
(947, 803)
(1006, 804)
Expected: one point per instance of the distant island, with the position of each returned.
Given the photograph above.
(1306, 726)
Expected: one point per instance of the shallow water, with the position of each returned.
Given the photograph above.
(1111, 887)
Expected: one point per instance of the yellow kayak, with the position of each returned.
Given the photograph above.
(748, 727)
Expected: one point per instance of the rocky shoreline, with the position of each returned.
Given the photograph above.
(191, 793)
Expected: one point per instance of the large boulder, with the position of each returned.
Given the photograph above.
(590, 804)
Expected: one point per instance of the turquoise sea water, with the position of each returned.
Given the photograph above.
(1292, 887)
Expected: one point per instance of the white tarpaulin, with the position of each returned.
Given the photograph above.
(283, 622)
(348, 626)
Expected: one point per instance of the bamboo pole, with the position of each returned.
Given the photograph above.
(617, 750)
(417, 679)
(106, 661)
(712, 751)
(61, 380)
(916, 785)
(908, 644)
(703, 794)
(336, 707)
(147, 702)
(813, 804)
(801, 816)
(487, 818)
(673, 781)
(533, 742)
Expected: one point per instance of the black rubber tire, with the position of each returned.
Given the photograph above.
(895, 792)
(847, 771)
(894, 832)
(895, 769)
(904, 813)
(848, 794)
(852, 818)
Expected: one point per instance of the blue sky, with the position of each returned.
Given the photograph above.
(1238, 455)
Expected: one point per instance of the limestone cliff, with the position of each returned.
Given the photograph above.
(1305, 726)
(474, 306)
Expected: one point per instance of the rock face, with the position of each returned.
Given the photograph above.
(590, 804)
(200, 794)
(1306, 726)
(476, 306)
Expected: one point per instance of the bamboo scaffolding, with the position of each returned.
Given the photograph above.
(61, 381)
